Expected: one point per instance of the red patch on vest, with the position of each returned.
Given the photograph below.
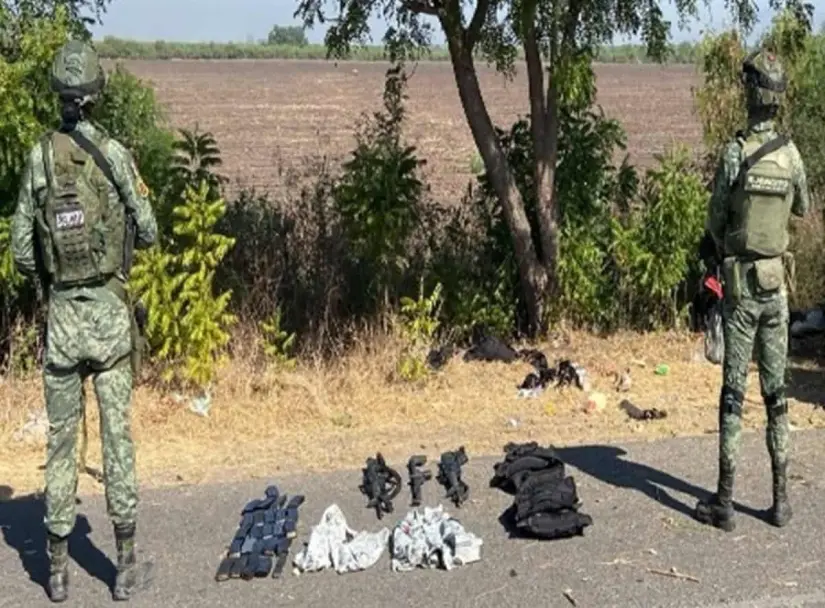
(713, 284)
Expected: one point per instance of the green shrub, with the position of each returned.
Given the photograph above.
(379, 198)
(188, 324)
(656, 251)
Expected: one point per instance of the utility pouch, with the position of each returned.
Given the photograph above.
(770, 274)
(731, 277)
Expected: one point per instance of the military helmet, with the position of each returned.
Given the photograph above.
(76, 72)
(764, 78)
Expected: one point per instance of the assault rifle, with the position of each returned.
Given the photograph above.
(449, 475)
(380, 484)
(417, 477)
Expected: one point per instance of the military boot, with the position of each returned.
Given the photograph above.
(58, 551)
(780, 512)
(718, 510)
(127, 571)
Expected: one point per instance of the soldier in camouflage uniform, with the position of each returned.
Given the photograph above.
(756, 190)
(69, 228)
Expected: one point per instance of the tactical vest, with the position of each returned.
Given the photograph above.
(80, 232)
(761, 205)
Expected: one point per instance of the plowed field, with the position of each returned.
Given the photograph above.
(270, 115)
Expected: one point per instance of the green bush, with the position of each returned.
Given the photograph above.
(378, 198)
(188, 324)
(656, 250)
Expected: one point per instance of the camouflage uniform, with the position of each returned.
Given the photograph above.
(755, 306)
(89, 333)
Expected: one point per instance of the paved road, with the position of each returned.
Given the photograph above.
(639, 496)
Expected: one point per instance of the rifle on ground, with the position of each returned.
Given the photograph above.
(417, 477)
(380, 484)
(449, 475)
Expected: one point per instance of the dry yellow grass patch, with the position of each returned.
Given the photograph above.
(323, 417)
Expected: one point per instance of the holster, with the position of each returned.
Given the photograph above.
(732, 279)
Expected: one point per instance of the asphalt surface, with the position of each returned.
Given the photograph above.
(639, 495)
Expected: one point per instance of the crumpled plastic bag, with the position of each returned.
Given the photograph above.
(714, 335)
(432, 539)
(333, 544)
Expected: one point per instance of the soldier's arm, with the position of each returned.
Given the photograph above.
(22, 223)
(802, 195)
(726, 172)
(135, 194)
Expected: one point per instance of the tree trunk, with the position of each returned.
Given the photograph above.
(544, 124)
(532, 274)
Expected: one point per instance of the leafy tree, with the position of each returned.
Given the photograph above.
(17, 16)
(287, 35)
(559, 40)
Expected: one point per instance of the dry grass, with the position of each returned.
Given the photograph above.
(319, 417)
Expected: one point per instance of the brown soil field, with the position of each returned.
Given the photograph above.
(274, 114)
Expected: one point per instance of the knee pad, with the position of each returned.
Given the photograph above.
(730, 401)
(776, 403)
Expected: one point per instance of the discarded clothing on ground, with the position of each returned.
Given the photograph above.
(438, 357)
(565, 373)
(637, 413)
(546, 501)
(489, 348)
(333, 544)
(432, 539)
(266, 530)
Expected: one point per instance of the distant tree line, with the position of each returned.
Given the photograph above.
(290, 42)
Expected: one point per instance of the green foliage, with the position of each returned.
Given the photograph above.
(291, 35)
(378, 198)
(720, 100)
(118, 48)
(278, 344)
(197, 157)
(188, 323)
(587, 142)
(27, 105)
(655, 251)
(419, 324)
(627, 244)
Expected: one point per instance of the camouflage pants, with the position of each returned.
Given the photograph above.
(761, 322)
(64, 403)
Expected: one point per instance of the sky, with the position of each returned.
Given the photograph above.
(250, 20)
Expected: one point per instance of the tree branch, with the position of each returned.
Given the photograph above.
(476, 23)
(424, 7)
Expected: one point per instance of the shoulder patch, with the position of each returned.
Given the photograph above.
(142, 188)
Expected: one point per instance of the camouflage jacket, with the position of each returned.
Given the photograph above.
(85, 324)
(728, 170)
(33, 185)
